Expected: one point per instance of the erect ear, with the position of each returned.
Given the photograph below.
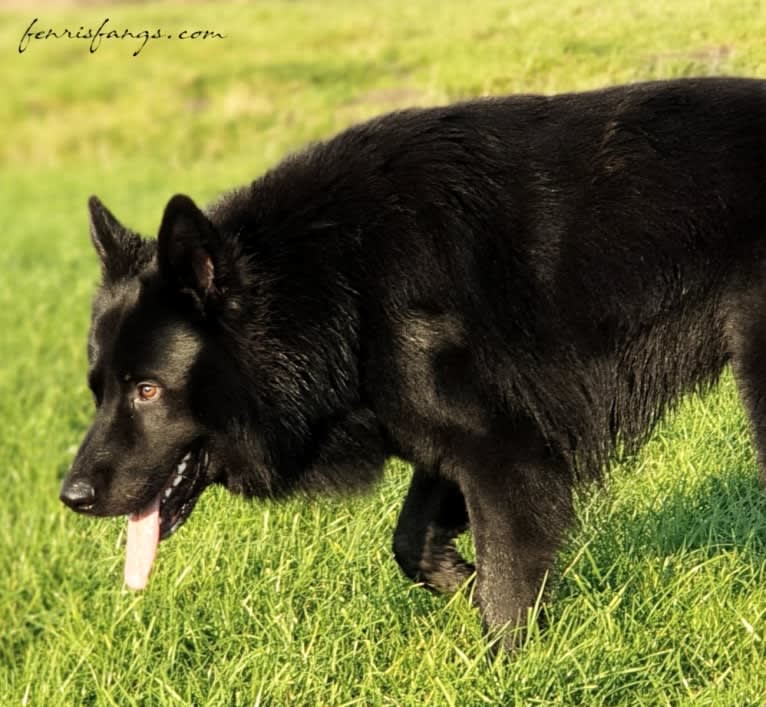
(189, 249)
(118, 248)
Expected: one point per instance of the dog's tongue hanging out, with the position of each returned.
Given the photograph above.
(143, 538)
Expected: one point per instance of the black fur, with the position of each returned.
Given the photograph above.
(501, 291)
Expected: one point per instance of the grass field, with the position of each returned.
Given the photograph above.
(660, 596)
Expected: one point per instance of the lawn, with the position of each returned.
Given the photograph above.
(660, 593)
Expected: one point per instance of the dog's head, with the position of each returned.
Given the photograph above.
(156, 370)
(205, 369)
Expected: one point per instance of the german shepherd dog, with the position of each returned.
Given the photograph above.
(500, 291)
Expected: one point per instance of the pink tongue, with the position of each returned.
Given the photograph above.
(143, 538)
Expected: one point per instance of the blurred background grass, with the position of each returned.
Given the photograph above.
(661, 598)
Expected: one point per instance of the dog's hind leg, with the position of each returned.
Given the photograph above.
(747, 345)
(433, 515)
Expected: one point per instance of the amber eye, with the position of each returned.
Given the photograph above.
(147, 392)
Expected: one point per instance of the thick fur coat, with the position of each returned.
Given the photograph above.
(500, 291)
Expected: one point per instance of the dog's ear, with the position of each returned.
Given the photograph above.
(189, 250)
(118, 248)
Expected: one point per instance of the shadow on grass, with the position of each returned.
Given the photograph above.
(693, 522)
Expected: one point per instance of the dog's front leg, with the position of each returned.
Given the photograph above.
(517, 515)
(433, 515)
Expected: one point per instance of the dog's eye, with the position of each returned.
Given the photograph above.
(147, 392)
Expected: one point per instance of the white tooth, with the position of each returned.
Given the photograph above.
(167, 492)
(177, 481)
(187, 457)
(182, 467)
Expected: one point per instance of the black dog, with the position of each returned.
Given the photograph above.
(498, 291)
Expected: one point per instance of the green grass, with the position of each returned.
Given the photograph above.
(660, 596)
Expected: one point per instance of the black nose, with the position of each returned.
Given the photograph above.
(78, 495)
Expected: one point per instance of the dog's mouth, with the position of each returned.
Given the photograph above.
(179, 496)
(164, 514)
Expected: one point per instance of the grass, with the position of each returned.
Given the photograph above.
(660, 596)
